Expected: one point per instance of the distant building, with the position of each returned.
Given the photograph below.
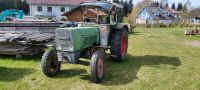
(52, 9)
(155, 15)
(90, 15)
(175, 13)
(195, 20)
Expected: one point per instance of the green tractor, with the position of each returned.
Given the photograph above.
(89, 40)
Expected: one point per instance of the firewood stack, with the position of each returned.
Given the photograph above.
(192, 32)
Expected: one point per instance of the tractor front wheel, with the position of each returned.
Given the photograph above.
(97, 66)
(119, 45)
(49, 63)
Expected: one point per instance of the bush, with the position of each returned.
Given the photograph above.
(148, 26)
(184, 25)
(62, 19)
(162, 25)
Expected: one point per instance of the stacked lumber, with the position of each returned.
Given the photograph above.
(192, 32)
(23, 43)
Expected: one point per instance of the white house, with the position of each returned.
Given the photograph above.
(52, 9)
(155, 15)
(195, 20)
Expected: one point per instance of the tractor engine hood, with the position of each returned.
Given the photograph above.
(76, 38)
(71, 41)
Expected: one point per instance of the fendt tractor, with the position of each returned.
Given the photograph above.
(89, 40)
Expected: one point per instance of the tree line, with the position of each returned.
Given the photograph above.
(14, 4)
(180, 6)
(127, 4)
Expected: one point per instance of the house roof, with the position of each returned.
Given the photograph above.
(58, 2)
(152, 9)
(100, 13)
(173, 11)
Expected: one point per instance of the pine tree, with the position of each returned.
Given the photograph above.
(173, 6)
(157, 4)
(126, 8)
(154, 4)
(122, 2)
(179, 7)
(160, 5)
(130, 6)
(185, 7)
(166, 5)
(116, 1)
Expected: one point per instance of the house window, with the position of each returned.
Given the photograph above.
(62, 9)
(39, 8)
(49, 9)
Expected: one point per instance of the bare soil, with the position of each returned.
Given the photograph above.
(193, 43)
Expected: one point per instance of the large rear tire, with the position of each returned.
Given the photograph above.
(97, 66)
(49, 63)
(119, 45)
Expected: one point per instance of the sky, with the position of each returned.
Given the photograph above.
(194, 3)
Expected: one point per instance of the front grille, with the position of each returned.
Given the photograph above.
(63, 40)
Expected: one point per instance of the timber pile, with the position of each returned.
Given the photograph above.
(43, 27)
(27, 38)
(23, 43)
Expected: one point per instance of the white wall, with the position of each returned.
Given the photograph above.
(56, 10)
(166, 22)
(141, 21)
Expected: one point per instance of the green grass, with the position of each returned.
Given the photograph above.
(157, 59)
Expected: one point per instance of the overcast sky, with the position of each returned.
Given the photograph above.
(194, 3)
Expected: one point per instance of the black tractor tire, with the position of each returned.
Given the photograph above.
(119, 45)
(49, 63)
(97, 66)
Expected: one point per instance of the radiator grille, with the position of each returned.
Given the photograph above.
(63, 40)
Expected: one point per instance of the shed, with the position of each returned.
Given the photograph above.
(78, 14)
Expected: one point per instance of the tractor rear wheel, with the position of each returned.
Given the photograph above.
(49, 63)
(119, 45)
(97, 66)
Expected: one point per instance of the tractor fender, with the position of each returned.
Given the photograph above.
(120, 26)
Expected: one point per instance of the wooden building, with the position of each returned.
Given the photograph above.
(89, 15)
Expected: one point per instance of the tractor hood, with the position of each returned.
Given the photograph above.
(76, 38)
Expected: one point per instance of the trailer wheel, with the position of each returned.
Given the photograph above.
(97, 66)
(119, 45)
(49, 63)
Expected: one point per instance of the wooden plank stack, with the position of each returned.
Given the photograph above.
(192, 32)
(23, 43)
(26, 38)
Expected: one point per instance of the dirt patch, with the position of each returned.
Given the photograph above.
(193, 43)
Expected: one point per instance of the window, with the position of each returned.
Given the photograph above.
(49, 9)
(62, 9)
(39, 8)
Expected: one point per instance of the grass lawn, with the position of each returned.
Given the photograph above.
(157, 59)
